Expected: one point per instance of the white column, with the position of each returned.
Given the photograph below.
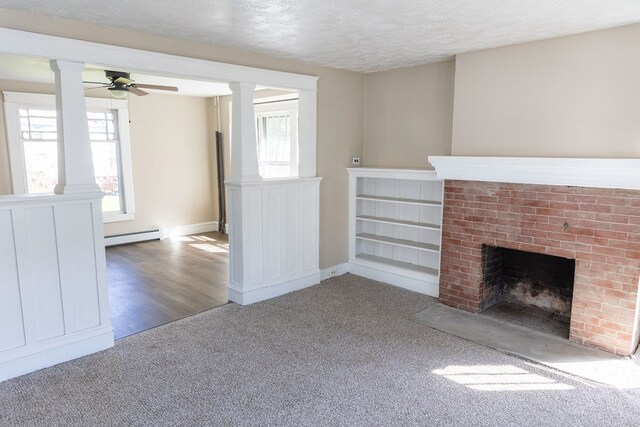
(307, 110)
(244, 147)
(75, 163)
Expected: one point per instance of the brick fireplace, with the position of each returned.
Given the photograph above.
(599, 228)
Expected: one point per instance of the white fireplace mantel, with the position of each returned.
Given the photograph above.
(603, 173)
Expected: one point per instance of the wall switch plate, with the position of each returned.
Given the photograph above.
(355, 161)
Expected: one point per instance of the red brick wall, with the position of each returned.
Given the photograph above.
(599, 228)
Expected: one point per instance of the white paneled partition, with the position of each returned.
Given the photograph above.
(53, 293)
(273, 237)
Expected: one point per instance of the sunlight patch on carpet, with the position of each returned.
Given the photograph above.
(499, 378)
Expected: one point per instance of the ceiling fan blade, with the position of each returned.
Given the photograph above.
(96, 87)
(156, 87)
(134, 90)
(98, 83)
(123, 80)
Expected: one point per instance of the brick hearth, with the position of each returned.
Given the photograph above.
(599, 228)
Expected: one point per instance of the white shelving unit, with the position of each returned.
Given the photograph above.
(395, 218)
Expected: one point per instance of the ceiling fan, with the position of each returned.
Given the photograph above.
(120, 84)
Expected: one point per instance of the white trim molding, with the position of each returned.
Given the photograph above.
(162, 233)
(16, 42)
(187, 230)
(412, 174)
(396, 277)
(334, 271)
(124, 239)
(271, 290)
(69, 348)
(602, 173)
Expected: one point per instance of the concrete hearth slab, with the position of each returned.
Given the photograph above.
(549, 350)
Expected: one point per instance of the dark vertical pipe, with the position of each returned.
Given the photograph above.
(222, 209)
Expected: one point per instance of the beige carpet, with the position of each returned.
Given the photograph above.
(345, 352)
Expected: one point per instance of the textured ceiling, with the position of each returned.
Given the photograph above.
(358, 35)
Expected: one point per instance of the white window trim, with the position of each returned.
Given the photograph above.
(282, 103)
(12, 102)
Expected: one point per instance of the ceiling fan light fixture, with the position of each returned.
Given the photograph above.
(118, 92)
(120, 84)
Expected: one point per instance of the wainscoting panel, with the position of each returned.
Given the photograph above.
(273, 247)
(53, 298)
(43, 284)
(235, 249)
(273, 237)
(310, 228)
(76, 224)
(10, 307)
(293, 229)
(253, 228)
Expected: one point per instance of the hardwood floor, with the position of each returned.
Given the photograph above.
(157, 282)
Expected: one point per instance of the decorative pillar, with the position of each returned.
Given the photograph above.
(307, 110)
(273, 224)
(75, 163)
(244, 171)
(244, 146)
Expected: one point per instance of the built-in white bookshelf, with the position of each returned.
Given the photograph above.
(395, 219)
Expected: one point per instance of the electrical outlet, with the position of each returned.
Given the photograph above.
(355, 161)
(332, 273)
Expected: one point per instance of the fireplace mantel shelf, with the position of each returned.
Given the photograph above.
(602, 173)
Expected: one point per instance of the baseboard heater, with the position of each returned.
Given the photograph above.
(140, 236)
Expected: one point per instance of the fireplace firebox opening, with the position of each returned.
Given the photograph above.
(531, 289)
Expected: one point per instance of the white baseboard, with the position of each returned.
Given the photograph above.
(122, 239)
(266, 292)
(334, 271)
(57, 350)
(161, 234)
(187, 230)
(425, 287)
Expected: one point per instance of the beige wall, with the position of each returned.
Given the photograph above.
(172, 153)
(408, 115)
(340, 110)
(574, 96)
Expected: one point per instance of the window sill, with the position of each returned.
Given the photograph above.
(116, 217)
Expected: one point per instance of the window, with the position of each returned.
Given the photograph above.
(277, 137)
(32, 136)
